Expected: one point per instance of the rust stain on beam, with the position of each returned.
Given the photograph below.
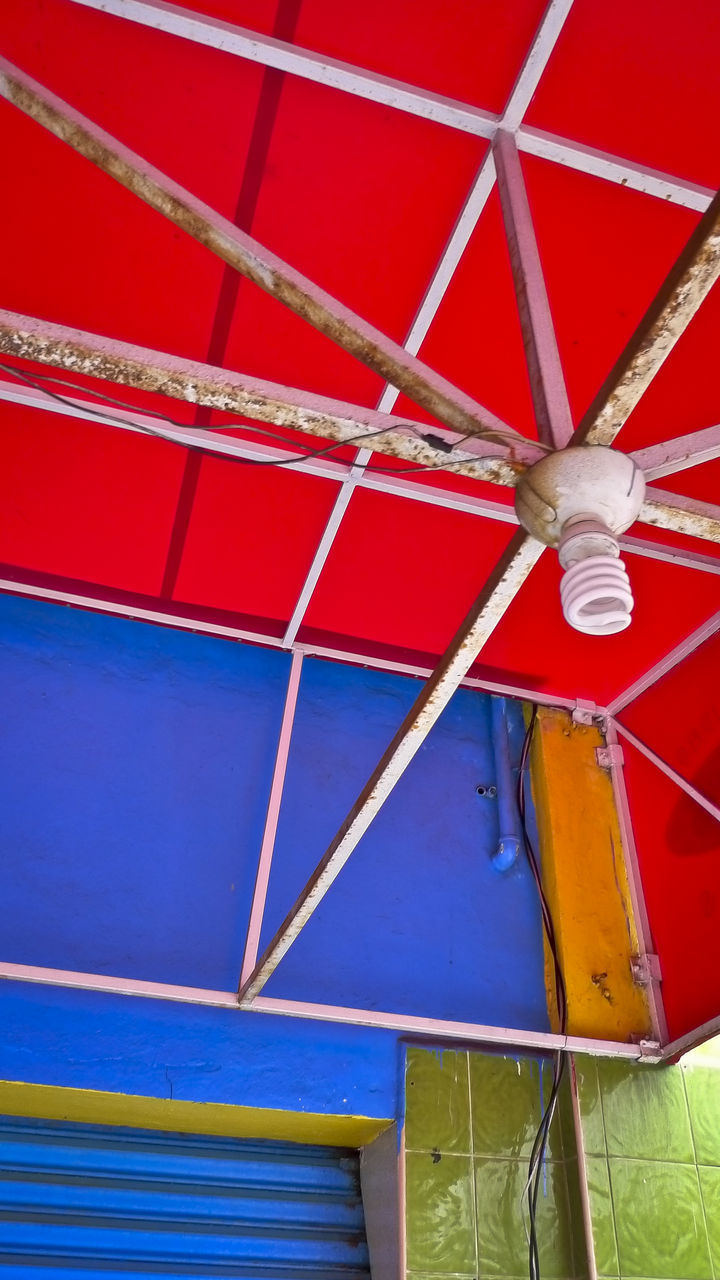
(91, 355)
(252, 260)
(498, 593)
(666, 319)
(682, 515)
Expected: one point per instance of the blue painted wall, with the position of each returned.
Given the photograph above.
(135, 766)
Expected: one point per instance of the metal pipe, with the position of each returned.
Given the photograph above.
(509, 828)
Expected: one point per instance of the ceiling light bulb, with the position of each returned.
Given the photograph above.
(579, 500)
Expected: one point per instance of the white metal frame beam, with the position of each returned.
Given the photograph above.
(679, 453)
(547, 381)
(91, 355)
(517, 104)
(405, 1024)
(666, 664)
(519, 557)
(253, 46)
(668, 770)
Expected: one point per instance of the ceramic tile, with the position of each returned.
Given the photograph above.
(437, 1115)
(590, 1106)
(601, 1213)
(710, 1187)
(507, 1098)
(702, 1085)
(502, 1246)
(659, 1220)
(439, 1213)
(645, 1112)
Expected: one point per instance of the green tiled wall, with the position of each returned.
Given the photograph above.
(470, 1123)
(652, 1138)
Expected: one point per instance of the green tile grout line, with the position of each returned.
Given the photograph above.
(681, 1069)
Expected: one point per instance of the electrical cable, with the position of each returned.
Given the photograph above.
(38, 381)
(537, 1154)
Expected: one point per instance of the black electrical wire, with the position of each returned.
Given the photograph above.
(38, 382)
(537, 1154)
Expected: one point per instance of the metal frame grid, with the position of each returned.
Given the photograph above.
(488, 449)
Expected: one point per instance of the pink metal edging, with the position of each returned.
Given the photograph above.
(547, 382)
(267, 847)
(666, 664)
(199, 626)
(670, 773)
(439, 1029)
(637, 897)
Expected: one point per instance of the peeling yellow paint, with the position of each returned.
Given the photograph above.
(586, 882)
(88, 1106)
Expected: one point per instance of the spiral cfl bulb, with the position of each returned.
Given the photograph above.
(595, 589)
(579, 500)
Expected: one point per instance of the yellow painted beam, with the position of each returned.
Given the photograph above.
(89, 1106)
(585, 880)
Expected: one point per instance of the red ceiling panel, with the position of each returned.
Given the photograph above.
(86, 501)
(363, 199)
(533, 636)
(678, 718)
(639, 80)
(187, 109)
(683, 396)
(404, 573)
(87, 253)
(472, 52)
(475, 340)
(251, 537)
(682, 892)
(605, 251)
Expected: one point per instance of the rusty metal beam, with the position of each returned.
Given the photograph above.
(255, 46)
(95, 356)
(678, 454)
(501, 588)
(682, 515)
(547, 381)
(247, 256)
(678, 299)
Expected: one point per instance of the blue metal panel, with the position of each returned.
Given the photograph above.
(97, 1201)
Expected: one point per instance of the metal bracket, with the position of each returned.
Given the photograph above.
(584, 712)
(609, 755)
(650, 1051)
(645, 969)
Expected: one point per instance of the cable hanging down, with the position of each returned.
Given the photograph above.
(38, 381)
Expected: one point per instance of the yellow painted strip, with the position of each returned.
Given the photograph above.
(585, 881)
(88, 1106)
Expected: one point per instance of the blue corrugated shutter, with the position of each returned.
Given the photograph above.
(85, 1201)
